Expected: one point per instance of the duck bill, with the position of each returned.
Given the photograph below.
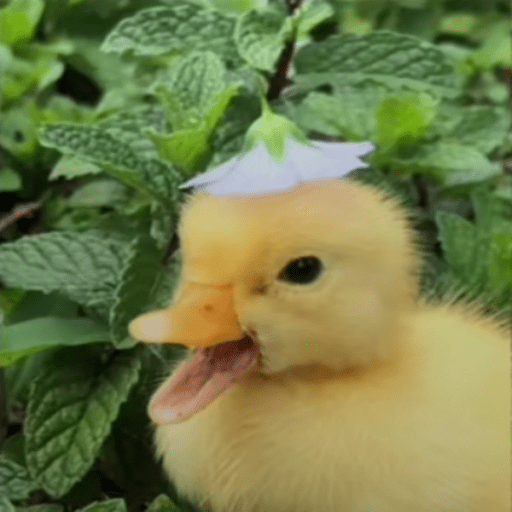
(204, 316)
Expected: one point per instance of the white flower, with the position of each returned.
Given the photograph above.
(258, 172)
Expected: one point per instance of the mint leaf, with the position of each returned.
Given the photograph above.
(466, 248)
(138, 280)
(6, 505)
(83, 266)
(310, 14)
(402, 120)
(178, 27)
(129, 125)
(26, 338)
(349, 112)
(483, 128)
(237, 6)
(451, 164)
(188, 149)
(167, 283)
(155, 178)
(163, 223)
(71, 407)
(500, 261)
(194, 90)
(15, 482)
(230, 135)
(70, 167)
(260, 37)
(162, 503)
(18, 21)
(10, 180)
(395, 60)
(98, 193)
(113, 505)
(43, 507)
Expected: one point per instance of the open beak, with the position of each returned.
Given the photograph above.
(204, 316)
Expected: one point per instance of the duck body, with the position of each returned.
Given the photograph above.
(364, 397)
(429, 432)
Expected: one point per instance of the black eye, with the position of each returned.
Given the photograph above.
(301, 271)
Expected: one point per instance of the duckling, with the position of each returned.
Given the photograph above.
(319, 380)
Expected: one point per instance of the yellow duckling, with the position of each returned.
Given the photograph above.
(342, 390)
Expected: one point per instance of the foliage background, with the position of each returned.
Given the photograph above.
(106, 107)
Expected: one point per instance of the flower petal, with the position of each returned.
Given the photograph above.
(256, 172)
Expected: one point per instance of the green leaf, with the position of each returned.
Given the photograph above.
(70, 167)
(178, 27)
(71, 408)
(219, 106)
(83, 266)
(495, 49)
(151, 176)
(163, 223)
(260, 37)
(483, 128)
(162, 503)
(6, 505)
(98, 193)
(395, 60)
(43, 507)
(230, 135)
(465, 247)
(402, 120)
(138, 280)
(452, 164)
(18, 130)
(349, 113)
(500, 261)
(18, 21)
(113, 505)
(310, 14)
(187, 149)
(236, 6)
(195, 90)
(10, 180)
(194, 81)
(168, 281)
(129, 126)
(29, 74)
(10, 300)
(26, 338)
(15, 482)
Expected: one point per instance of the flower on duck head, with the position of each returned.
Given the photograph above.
(277, 157)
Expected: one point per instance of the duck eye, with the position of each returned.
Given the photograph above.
(301, 271)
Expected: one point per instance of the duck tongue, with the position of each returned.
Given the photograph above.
(201, 379)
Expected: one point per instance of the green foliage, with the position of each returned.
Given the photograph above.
(18, 21)
(162, 503)
(70, 411)
(23, 339)
(392, 59)
(178, 27)
(107, 107)
(137, 281)
(15, 480)
(83, 266)
(156, 178)
(113, 505)
(260, 37)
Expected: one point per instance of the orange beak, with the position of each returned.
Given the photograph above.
(204, 316)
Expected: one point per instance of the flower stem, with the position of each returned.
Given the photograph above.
(279, 79)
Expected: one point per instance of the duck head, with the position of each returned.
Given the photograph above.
(318, 276)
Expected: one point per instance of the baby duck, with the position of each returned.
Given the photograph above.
(319, 380)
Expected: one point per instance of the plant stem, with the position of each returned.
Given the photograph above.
(280, 80)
